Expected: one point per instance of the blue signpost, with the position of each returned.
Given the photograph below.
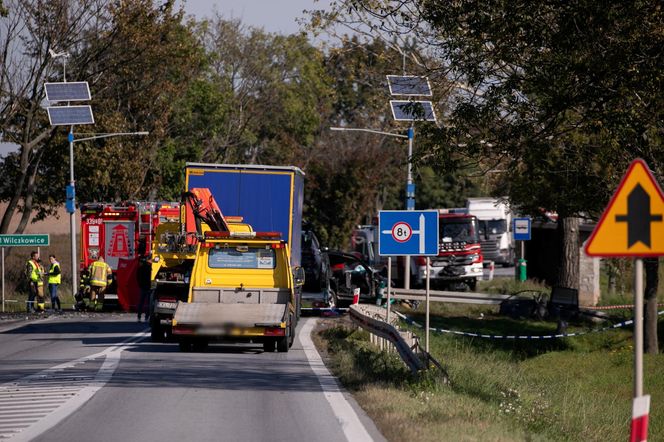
(408, 232)
(405, 233)
(522, 230)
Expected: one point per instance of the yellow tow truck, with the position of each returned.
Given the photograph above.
(242, 289)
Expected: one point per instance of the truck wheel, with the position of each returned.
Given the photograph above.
(185, 346)
(156, 332)
(200, 345)
(268, 345)
(472, 284)
(168, 334)
(283, 344)
(292, 335)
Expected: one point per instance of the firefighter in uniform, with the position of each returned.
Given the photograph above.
(35, 274)
(83, 291)
(100, 278)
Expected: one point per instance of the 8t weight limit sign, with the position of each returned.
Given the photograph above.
(401, 232)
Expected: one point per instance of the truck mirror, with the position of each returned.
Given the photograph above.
(298, 276)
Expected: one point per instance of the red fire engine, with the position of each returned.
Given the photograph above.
(125, 230)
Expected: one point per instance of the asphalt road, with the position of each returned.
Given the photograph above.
(499, 272)
(99, 378)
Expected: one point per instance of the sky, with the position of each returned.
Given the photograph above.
(277, 16)
(274, 15)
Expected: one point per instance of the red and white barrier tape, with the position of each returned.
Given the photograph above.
(615, 307)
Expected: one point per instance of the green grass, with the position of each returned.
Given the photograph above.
(573, 389)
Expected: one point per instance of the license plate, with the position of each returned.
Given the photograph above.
(169, 305)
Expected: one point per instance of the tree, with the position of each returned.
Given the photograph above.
(29, 31)
(561, 95)
(136, 57)
(148, 58)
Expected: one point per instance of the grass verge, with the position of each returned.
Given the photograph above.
(574, 389)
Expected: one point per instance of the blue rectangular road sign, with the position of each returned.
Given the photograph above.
(408, 232)
(521, 229)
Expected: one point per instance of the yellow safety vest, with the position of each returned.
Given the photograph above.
(35, 275)
(99, 273)
(54, 279)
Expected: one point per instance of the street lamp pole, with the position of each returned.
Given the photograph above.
(71, 208)
(410, 199)
(71, 193)
(410, 187)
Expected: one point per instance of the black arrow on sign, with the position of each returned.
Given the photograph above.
(638, 217)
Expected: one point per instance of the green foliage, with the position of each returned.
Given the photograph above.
(150, 55)
(558, 100)
(442, 190)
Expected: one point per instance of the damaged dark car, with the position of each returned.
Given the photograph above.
(349, 272)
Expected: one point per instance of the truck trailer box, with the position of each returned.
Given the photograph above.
(269, 198)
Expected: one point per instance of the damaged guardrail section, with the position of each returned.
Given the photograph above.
(372, 319)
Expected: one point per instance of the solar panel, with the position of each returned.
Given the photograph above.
(74, 91)
(412, 110)
(68, 115)
(409, 85)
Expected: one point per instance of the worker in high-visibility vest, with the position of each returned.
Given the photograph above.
(35, 275)
(54, 279)
(101, 277)
(83, 291)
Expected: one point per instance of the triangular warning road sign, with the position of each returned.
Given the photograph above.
(633, 222)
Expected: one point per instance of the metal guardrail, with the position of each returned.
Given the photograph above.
(372, 319)
(446, 296)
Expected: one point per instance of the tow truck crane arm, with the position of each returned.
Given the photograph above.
(203, 208)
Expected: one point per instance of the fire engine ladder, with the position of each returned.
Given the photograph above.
(145, 228)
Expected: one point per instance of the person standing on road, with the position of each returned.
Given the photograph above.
(144, 277)
(101, 276)
(83, 291)
(34, 273)
(54, 279)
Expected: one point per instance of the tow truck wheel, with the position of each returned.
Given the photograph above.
(268, 345)
(185, 346)
(200, 345)
(156, 332)
(283, 344)
(292, 335)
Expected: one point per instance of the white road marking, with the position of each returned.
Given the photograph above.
(42, 400)
(351, 425)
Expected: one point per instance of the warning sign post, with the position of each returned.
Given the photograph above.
(632, 225)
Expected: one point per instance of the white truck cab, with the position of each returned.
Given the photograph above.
(495, 220)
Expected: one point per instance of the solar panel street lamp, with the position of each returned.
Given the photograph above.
(69, 115)
(410, 110)
(406, 110)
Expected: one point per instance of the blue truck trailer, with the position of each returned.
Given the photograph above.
(269, 198)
